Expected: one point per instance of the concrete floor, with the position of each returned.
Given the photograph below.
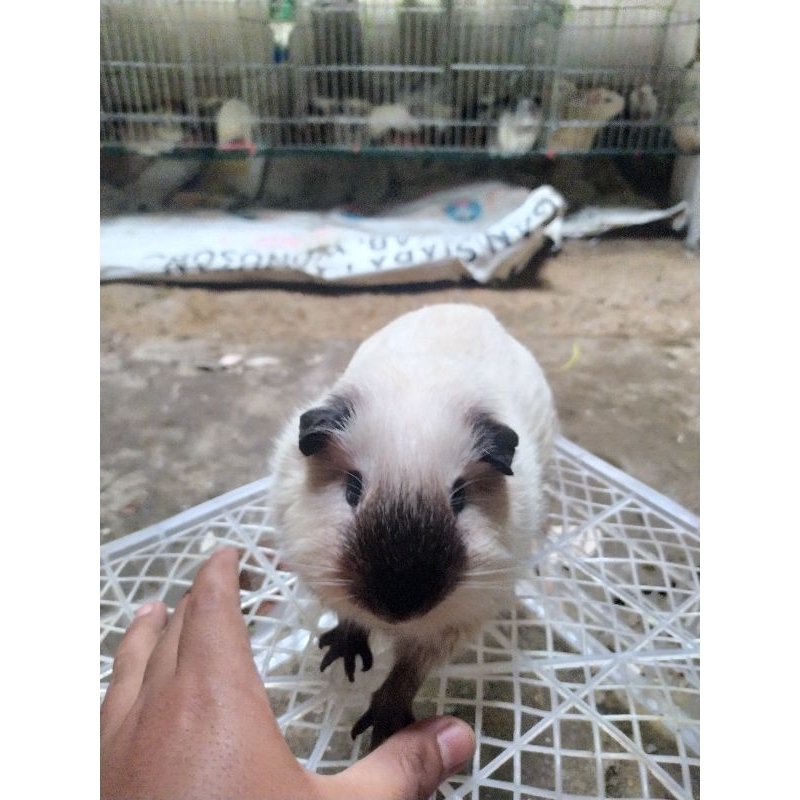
(180, 423)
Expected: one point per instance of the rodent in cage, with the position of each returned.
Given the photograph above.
(642, 102)
(685, 123)
(408, 494)
(388, 121)
(518, 128)
(638, 126)
(594, 107)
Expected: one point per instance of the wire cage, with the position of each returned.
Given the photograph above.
(587, 688)
(503, 77)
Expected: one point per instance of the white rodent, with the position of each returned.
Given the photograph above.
(518, 129)
(642, 102)
(410, 494)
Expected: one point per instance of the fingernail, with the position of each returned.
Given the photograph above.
(456, 743)
(144, 609)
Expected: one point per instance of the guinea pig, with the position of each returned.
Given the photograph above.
(411, 493)
(594, 108)
(518, 129)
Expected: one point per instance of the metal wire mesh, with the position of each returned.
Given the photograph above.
(497, 76)
(587, 688)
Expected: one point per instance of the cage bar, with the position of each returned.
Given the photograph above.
(398, 75)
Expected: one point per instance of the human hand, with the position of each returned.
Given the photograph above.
(186, 716)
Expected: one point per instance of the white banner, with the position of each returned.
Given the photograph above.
(484, 231)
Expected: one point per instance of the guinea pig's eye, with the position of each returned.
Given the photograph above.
(458, 495)
(353, 491)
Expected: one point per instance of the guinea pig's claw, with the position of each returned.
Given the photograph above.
(384, 722)
(362, 723)
(346, 640)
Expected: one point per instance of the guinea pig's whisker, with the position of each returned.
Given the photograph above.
(481, 573)
(480, 587)
(480, 494)
(320, 581)
(326, 583)
(485, 580)
(343, 472)
(499, 571)
(326, 579)
(466, 484)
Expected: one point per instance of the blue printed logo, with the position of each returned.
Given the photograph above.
(463, 210)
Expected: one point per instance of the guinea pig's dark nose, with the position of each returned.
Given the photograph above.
(403, 559)
(401, 592)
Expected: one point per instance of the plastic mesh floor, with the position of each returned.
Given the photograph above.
(587, 688)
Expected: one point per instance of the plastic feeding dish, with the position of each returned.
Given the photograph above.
(589, 687)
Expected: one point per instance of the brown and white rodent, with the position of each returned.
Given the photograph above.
(411, 493)
(594, 108)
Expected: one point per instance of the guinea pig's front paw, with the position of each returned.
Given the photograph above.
(385, 720)
(346, 640)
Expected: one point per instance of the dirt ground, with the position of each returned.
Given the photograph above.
(195, 383)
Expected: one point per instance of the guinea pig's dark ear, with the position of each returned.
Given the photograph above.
(318, 424)
(496, 443)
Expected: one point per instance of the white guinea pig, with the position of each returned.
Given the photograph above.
(410, 494)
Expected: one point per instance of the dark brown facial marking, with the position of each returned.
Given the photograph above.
(496, 442)
(403, 557)
(318, 424)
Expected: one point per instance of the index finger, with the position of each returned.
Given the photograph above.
(214, 636)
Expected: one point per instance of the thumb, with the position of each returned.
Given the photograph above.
(411, 763)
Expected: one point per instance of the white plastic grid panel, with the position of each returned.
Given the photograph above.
(587, 688)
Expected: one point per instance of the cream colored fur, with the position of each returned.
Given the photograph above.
(414, 383)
